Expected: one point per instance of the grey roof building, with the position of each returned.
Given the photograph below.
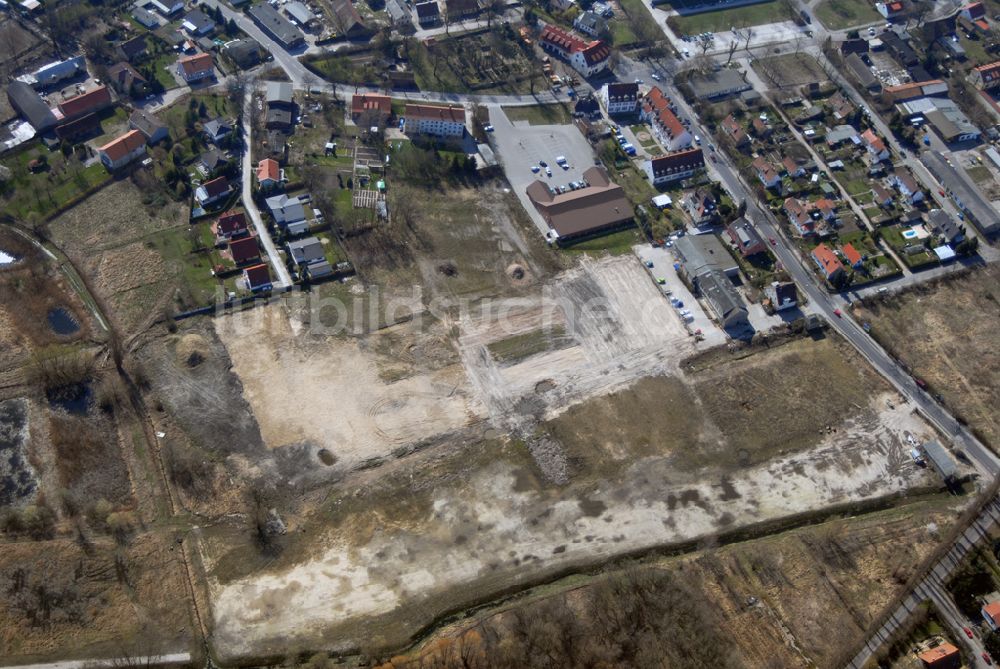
(703, 253)
(146, 18)
(245, 53)
(428, 13)
(306, 251)
(944, 225)
(152, 128)
(719, 84)
(862, 72)
(299, 13)
(724, 301)
(965, 193)
(279, 94)
(940, 459)
(277, 26)
(591, 24)
(278, 119)
(197, 23)
(30, 105)
(286, 210)
(398, 11)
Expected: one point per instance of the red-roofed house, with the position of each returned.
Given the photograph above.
(433, 120)
(212, 191)
(257, 278)
(766, 172)
(943, 656)
(666, 127)
(828, 262)
(852, 255)
(991, 614)
(734, 131)
(245, 251)
(371, 105)
(890, 10)
(875, 145)
(87, 103)
(973, 11)
(793, 169)
(587, 58)
(231, 225)
(195, 68)
(826, 208)
(122, 150)
(986, 77)
(908, 187)
(268, 174)
(798, 213)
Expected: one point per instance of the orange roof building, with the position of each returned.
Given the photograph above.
(827, 261)
(268, 172)
(196, 67)
(852, 255)
(587, 58)
(379, 104)
(945, 656)
(986, 76)
(666, 126)
(87, 103)
(122, 150)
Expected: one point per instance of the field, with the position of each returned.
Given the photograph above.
(723, 20)
(135, 252)
(841, 14)
(551, 439)
(795, 599)
(32, 197)
(558, 114)
(788, 70)
(947, 334)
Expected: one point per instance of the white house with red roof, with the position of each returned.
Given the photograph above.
(196, 68)
(674, 166)
(890, 10)
(620, 97)
(268, 174)
(986, 77)
(666, 127)
(587, 58)
(122, 150)
(433, 120)
(875, 145)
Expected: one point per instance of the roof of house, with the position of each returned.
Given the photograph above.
(657, 104)
(721, 295)
(371, 102)
(198, 21)
(243, 51)
(591, 21)
(789, 164)
(88, 102)
(797, 210)
(744, 235)
(268, 169)
(840, 105)
(212, 159)
(975, 10)
(145, 122)
(125, 75)
(232, 221)
(29, 103)
(942, 223)
(715, 84)
(733, 128)
(278, 92)
(942, 653)
(596, 206)
(216, 187)
(257, 276)
(461, 6)
(87, 124)
(306, 250)
(620, 91)
(679, 161)
(276, 24)
(852, 254)
(990, 71)
(134, 47)
(906, 180)
(244, 249)
(123, 145)
(299, 12)
(435, 113)
(874, 142)
(882, 194)
(702, 253)
(861, 70)
(785, 292)
(199, 62)
(216, 126)
(765, 169)
(593, 52)
(281, 117)
(827, 259)
(427, 9)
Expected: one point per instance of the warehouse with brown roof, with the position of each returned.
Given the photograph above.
(599, 207)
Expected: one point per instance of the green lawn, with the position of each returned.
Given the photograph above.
(724, 19)
(840, 14)
(41, 194)
(176, 247)
(616, 243)
(555, 114)
(160, 63)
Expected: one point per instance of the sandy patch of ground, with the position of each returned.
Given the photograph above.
(329, 392)
(490, 529)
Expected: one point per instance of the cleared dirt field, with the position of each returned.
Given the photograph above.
(791, 600)
(793, 69)
(111, 237)
(948, 334)
(473, 516)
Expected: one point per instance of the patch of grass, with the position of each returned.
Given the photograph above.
(556, 114)
(528, 344)
(723, 20)
(39, 194)
(979, 174)
(841, 14)
(615, 243)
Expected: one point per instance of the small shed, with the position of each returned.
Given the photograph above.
(940, 459)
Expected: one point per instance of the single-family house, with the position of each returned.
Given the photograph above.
(245, 53)
(306, 251)
(840, 106)
(460, 10)
(245, 251)
(700, 205)
(674, 166)
(257, 278)
(197, 23)
(278, 119)
(166, 8)
(211, 160)
(288, 212)
(944, 226)
(349, 21)
(826, 208)
(766, 172)
(841, 134)
(973, 11)
(428, 13)
(852, 256)
(122, 150)
(792, 168)
(127, 80)
(134, 50)
(799, 215)
(883, 196)
(875, 145)
(745, 238)
(145, 18)
(268, 174)
(908, 187)
(890, 10)
(591, 23)
(216, 130)
(828, 263)
(783, 295)
(587, 58)
(196, 68)
(666, 127)
(942, 656)
(151, 127)
(620, 97)
(212, 191)
(732, 129)
(986, 77)
(231, 225)
(991, 614)
(279, 94)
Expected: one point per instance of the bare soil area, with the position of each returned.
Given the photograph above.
(948, 334)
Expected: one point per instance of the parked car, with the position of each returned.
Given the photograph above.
(967, 631)
(655, 76)
(986, 658)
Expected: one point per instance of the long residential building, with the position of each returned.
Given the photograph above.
(276, 26)
(433, 120)
(674, 166)
(666, 127)
(986, 77)
(587, 58)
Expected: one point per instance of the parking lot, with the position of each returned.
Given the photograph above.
(522, 145)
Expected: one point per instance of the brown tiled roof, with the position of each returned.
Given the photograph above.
(434, 113)
(597, 206)
(91, 101)
(678, 161)
(232, 222)
(199, 62)
(121, 146)
(658, 104)
(258, 275)
(827, 259)
(371, 102)
(244, 250)
(268, 169)
(852, 254)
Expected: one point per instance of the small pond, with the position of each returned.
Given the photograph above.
(62, 321)
(74, 398)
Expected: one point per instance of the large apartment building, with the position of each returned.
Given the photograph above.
(432, 120)
(587, 58)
